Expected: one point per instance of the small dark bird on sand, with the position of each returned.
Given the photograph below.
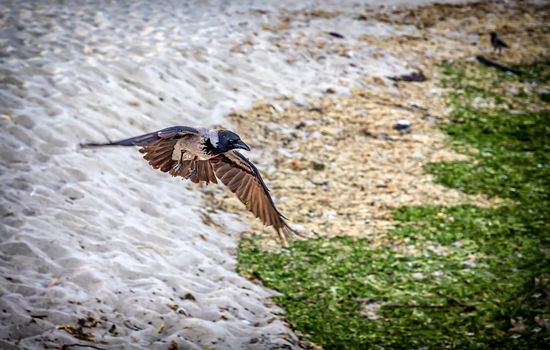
(497, 43)
(201, 154)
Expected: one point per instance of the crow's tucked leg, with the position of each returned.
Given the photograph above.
(193, 169)
(179, 166)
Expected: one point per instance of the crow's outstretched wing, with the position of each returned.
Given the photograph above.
(145, 139)
(158, 149)
(244, 179)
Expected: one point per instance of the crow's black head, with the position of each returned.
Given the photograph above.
(493, 35)
(228, 140)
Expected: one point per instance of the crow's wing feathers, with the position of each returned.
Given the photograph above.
(146, 139)
(244, 179)
(159, 154)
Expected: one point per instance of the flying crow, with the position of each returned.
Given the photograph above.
(201, 154)
(497, 43)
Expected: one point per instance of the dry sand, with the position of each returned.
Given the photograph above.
(96, 248)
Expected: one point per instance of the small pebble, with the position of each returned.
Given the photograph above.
(402, 125)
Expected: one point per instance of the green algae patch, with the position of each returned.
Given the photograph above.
(443, 277)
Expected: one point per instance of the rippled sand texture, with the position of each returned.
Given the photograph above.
(96, 246)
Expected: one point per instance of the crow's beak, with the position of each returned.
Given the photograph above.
(242, 145)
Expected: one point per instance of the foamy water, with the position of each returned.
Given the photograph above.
(99, 234)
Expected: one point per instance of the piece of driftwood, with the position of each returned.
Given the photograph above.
(412, 77)
(336, 35)
(484, 60)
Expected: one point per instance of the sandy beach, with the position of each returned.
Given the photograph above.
(98, 248)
